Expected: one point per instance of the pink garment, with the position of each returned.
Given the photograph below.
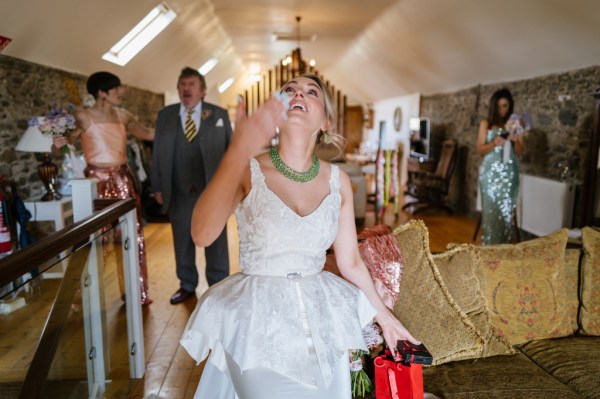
(117, 182)
(105, 150)
(105, 144)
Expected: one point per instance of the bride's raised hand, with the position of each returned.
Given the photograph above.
(254, 133)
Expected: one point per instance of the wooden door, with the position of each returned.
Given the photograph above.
(354, 115)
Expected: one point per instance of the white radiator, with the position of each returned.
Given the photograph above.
(546, 205)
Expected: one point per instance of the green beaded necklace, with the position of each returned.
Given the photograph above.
(300, 177)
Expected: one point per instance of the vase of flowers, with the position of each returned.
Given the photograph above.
(57, 123)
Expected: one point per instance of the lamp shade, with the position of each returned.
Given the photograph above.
(34, 141)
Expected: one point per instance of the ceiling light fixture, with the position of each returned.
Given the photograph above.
(294, 62)
(208, 66)
(142, 34)
(297, 63)
(254, 72)
(284, 36)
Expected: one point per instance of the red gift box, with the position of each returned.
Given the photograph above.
(412, 353)
(395, 380)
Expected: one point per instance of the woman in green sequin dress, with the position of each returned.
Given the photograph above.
(498, 173)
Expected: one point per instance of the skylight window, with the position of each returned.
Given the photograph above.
(142, 34)
(225, 85)
(207, 66)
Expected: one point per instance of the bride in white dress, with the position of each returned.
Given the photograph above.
(282, 328)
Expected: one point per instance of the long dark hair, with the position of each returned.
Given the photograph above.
(494, 117)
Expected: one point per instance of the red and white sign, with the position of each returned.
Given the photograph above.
(5, 242)
(4, 42)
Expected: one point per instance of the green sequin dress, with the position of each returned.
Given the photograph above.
(499, 184)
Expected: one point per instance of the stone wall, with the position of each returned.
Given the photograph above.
(27, 90)
(560, 106)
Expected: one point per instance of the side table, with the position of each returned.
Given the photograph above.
(61, 213)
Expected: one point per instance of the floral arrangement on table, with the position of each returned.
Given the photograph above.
(361, 382)
(57, 123)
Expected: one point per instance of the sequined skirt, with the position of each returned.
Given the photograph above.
(117, 182)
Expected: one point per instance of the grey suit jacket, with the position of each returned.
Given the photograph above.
(213, 142)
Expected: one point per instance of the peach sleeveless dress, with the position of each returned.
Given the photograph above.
(105, 150)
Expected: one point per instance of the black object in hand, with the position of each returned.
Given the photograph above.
(412, 353)
(504, 134)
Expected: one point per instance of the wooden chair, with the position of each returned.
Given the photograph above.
(430, 189)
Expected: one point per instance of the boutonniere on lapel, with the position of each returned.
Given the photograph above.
(206, 113)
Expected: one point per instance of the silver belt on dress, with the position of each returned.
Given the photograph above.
(294, 276)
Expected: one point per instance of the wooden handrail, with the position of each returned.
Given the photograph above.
(22, 261)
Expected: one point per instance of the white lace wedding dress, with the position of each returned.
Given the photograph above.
(282, 327)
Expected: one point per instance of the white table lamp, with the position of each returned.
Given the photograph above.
(34, 141)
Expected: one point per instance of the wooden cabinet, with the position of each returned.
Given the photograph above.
(354, 115)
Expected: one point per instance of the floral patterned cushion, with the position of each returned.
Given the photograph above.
(457, 268)
(425, 305)
(572, 284)
(524, 286)
(590, 282)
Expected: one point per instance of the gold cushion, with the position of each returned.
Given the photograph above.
(572, 284)
(458, 270)
(524, 288)
(590, 282)
(425, 306)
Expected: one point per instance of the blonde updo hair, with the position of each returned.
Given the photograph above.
(330, 114)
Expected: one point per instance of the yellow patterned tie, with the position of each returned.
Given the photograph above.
(190, 127)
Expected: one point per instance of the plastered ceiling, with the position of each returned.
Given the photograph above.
(371, 50)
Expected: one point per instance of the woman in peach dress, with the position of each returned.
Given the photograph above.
(102, 130)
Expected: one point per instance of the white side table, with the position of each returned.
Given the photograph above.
(61, 213)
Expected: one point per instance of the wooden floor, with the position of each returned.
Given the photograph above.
(170, 372)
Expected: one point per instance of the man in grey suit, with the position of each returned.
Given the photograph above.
(190, 140)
